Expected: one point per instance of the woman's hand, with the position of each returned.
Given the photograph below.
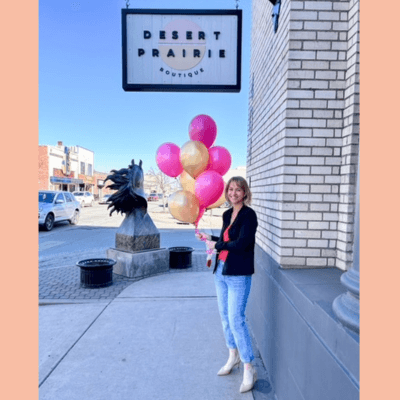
(203, 236)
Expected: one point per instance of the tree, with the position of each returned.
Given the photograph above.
(164, 183)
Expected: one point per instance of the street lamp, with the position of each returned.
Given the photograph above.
(275, 13)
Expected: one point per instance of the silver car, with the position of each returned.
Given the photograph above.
(55, 206)
(85, 198)
(105, 199)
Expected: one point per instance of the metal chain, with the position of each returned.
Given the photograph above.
(237, 4)
(127, 3)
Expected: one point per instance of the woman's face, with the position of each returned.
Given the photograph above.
(235, 193)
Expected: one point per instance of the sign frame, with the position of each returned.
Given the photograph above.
(129, 87)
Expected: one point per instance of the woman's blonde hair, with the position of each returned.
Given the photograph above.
(242, 183)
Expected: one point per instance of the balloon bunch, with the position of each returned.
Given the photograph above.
(200, 168)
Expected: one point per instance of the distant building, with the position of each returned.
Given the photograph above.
(65, 168)
(101, 187)
(152, 185)
(239, 171)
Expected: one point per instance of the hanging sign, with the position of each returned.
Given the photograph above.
(181, 50)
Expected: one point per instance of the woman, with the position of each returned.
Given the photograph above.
(233, 269)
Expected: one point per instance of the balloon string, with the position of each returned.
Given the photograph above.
(197, 232)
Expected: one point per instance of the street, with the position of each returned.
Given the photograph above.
(65, 245)
(96, 231)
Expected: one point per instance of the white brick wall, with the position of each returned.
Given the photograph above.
(350, 134)
(266, 140)
(303, 130)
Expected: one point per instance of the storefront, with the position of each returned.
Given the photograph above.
(66, 184)
(302, 168)
(87, 183)
(100, 186)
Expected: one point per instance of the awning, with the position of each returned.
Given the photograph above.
(56, 179)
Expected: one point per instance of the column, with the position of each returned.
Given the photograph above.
(347, 306)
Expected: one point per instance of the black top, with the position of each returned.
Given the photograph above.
(242, 239)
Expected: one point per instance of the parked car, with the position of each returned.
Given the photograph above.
(153, 197)
(56, 206)
(85, 198)
(105, 199)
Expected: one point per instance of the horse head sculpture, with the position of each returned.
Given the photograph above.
(129, 185)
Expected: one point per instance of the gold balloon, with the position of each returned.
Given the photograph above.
(187, 182)
(220, 201)
(184, 206)
(194, 157)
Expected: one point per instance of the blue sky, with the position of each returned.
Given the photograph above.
(81, 100)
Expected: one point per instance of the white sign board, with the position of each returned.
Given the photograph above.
(181, 50)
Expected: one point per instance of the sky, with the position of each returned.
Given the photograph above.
(82, 102)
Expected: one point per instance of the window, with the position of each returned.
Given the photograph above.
(46, 197)
(60, 197)
(68, 197)
(89, 169)
(82, 168)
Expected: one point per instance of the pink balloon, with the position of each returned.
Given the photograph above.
(208, 188)
(220, 160)
(167, 158)
(203, 129)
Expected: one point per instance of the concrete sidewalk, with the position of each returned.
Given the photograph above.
(155, 338)
(160, 338)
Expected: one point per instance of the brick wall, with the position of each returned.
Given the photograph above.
(43, 168)
(303, 131)
(105, 189)
(266, 139)
(350, 136)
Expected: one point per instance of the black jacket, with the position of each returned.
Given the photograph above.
(242, 239)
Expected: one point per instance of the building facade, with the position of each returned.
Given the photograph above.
(66, 168)
(101, 187)
(239, 171)
(302, 167)
(85, 168)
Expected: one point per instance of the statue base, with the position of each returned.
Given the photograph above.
(137, 243)
(137, 232)
(139, 264)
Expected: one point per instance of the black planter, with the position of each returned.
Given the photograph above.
(180, 257)
(96, 272)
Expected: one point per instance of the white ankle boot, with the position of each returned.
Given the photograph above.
(249, 379)
(233, 361)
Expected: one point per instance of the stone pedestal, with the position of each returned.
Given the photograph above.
(140, 263)
(137, 247)
(137, 232)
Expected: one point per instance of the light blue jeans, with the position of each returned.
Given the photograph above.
(232, 295)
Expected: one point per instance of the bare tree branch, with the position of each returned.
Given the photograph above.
(164, 183)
